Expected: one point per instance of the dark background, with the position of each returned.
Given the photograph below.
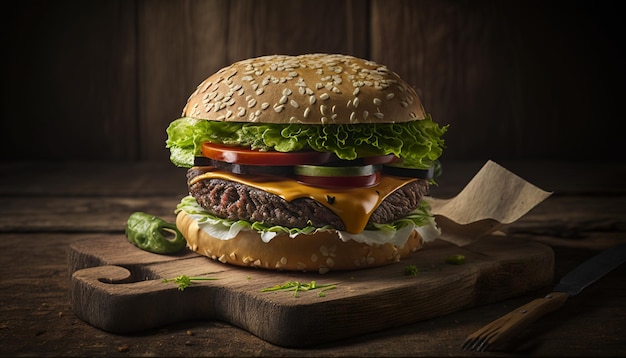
(102, 79)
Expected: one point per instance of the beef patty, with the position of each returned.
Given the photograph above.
(235, 201)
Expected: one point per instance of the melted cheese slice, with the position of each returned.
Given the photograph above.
(354, 206)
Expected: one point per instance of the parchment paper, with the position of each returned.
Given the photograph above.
(494, 197)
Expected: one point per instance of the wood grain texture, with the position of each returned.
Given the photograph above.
(69, 81)
(119, 288)
(585, 215)
(514, 79)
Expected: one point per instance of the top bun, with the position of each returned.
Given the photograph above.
(309, 89)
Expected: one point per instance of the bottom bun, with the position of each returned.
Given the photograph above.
(322, 251)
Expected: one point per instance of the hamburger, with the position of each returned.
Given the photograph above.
(315, 162)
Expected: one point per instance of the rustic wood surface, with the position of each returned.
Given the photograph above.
(119, 288)
(522, 79)
(46, 207)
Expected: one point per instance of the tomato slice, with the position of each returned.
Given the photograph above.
(381, 159)
(247, 156)
(341, 182)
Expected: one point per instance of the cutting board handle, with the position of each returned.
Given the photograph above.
(133, 304)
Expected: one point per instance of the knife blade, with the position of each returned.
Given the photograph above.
(504, 328)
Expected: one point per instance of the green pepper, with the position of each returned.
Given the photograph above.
(150, 233)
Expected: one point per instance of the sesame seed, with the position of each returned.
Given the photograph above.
(356, 91)
(307, 111)
(293, 120)
(206, 86)
(283, 100)
(365, 114)
(324, 96)
(352, 116)
(323, 109)
(251, 102)
(260, 91)
(370, 260)
(377, 101)
(301, 90)
(314, 257)
(404, 104)
(279, 108)
(286, 92)
(323, 270)
(324, 250)
(265, 105)
(355, 102)
(301, 266)
(379, 115)
(330, 262)
(312, 99)
(390, 95)
(223, 259)
(294, 104)
(242, 112)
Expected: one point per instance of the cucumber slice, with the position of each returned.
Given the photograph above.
(332, 171)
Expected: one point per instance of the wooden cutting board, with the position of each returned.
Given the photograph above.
(119, 288)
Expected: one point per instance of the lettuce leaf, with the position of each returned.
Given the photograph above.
(418, 143)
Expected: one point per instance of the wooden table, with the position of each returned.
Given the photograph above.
(44, 207)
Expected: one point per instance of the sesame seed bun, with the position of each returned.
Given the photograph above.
(322, 251)
(309, 89)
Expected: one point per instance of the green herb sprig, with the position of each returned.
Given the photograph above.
(185, 281)
(411, 270)
(455, 260)
(297, 286)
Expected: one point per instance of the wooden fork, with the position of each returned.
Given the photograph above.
(506, 327)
